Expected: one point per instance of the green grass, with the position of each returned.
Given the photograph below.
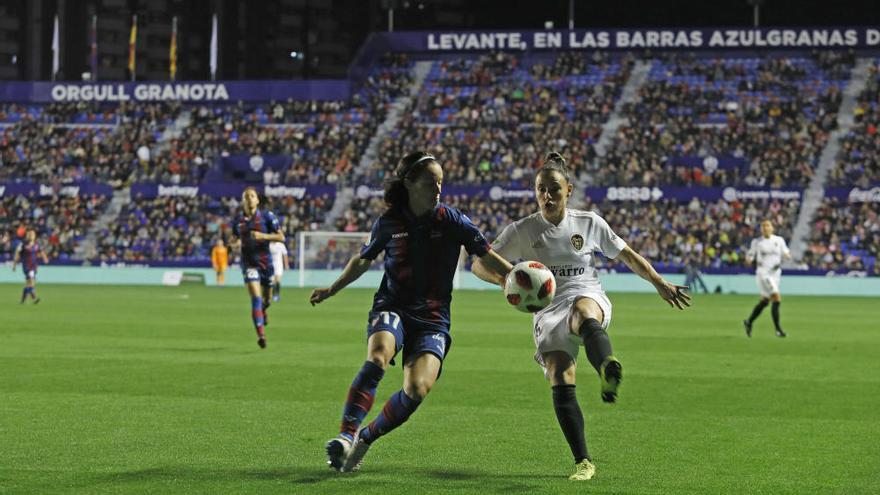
(163, 390)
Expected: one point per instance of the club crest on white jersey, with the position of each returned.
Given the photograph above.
(566, 249)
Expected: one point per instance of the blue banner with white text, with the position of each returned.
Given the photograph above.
(73, 189)
(789, 38)
(185, 92)
(149, 190)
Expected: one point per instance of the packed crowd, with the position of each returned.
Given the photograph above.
(323, 138)
(492, 118)
(49, 148)
(63, 113)
(845, 237)
(116, 143)
(858, 163)
(321, 153)
(60, 222)
(772, 115)
(713, 234)
(183, 229)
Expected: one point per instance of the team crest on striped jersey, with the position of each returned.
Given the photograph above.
(577, 241)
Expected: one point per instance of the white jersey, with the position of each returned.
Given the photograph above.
(767, 254)
(278, 251)
(567, 249)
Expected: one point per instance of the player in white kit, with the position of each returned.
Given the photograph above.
(565, 240)
(280, 262)
(767, 253)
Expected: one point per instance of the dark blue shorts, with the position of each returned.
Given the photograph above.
(413, 336)
(30, 274)
(264, 276)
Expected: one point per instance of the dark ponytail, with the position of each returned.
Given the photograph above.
(555, 162)
(409, 167)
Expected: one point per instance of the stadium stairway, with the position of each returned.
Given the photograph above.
(184, 119)
(86, 249)
(122, 196)
(630, 93)
(816, 190)
(345, 194)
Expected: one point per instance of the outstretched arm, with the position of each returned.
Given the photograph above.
(15, 259)
(273, 237)
(675, 295)
(356, 267)
(491, 268)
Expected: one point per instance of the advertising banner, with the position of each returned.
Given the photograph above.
(633, 39)
(494, 193)
(226, 189)
(42, 190)
(187, 92)
(625, 193)
(854, 194)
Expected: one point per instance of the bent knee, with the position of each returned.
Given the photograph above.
(562, 377)
(419, 389)
(560, 370)
(380, 356)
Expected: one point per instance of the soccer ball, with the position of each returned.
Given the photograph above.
(530, 287)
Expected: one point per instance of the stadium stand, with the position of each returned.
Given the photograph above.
(322, 139)
(60, 222)
(768, 117)
(858, 163)
(73, 142)
(492, 118)
(698, 121)
(845, 237)
(183, 229)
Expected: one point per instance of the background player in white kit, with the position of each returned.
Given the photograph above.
(767, 253)
(280, 262)
(564, 240)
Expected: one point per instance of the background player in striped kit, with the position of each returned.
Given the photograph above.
(767, 253)
(254, 230)
(27, 252)
(565, 240)
(422, 239)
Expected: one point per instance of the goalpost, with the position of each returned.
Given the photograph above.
(321, 256)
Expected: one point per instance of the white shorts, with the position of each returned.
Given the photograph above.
(768, 284)
(552, 328)
(279, 271)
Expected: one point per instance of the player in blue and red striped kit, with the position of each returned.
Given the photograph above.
(255, 229)
(422, 239)
(27, 252)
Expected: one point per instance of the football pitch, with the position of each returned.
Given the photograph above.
(164, 390)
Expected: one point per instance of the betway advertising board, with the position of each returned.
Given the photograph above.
(226, 189)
